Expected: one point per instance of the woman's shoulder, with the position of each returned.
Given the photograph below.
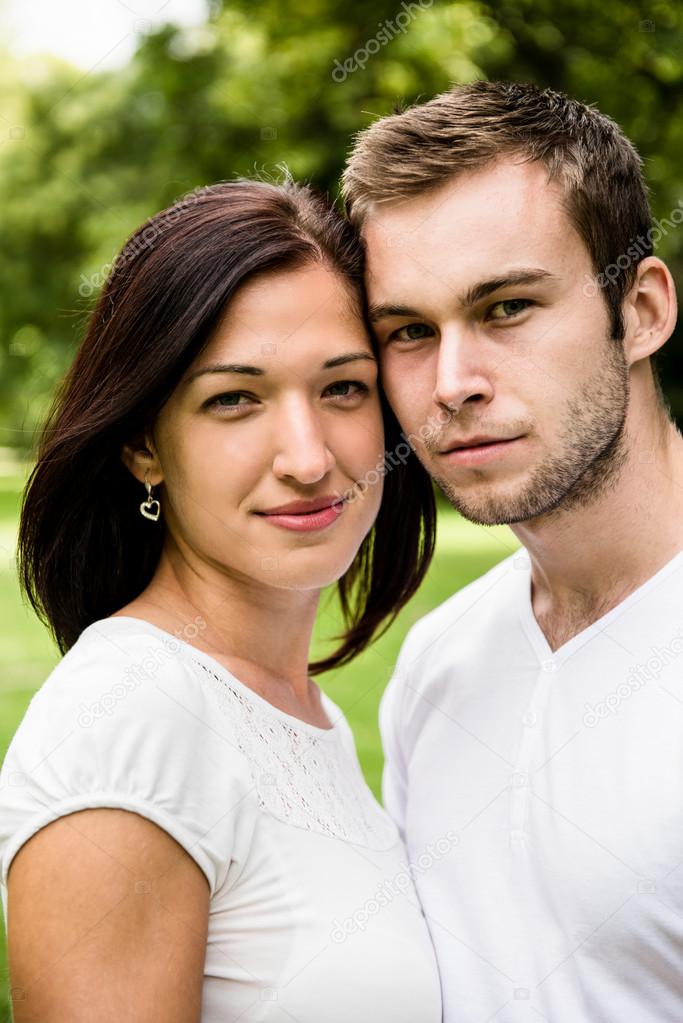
(122, 720)
(114, 665)
(128, 691)
(124, 681)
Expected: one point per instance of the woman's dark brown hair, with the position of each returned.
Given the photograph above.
(84, 550)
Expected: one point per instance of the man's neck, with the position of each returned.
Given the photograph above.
(587, 560)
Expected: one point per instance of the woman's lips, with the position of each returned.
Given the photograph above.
(306, 522)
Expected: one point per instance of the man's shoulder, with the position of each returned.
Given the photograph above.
(449, 647)
(468, 607)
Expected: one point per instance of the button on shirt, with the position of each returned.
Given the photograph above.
(559, 777)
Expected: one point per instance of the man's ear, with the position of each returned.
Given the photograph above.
(650, 310)
(140, 456)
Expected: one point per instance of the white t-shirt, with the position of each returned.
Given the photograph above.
(561, 774)
(313, 915)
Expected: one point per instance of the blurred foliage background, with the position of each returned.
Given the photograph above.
(85, 157)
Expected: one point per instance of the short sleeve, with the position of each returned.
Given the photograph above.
(122, 721)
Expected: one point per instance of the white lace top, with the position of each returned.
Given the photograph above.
(313, 913)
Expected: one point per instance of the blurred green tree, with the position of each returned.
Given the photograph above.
(84, 158)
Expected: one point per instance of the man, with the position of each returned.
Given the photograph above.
(538, 712)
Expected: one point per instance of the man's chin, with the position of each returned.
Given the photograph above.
(488, 516)
(491, 508)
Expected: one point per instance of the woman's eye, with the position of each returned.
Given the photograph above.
(412, 332)
(228, 400)
(360, 388)
(508, 308)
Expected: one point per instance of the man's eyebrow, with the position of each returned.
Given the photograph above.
(258, 371)
(380, 311)
(474, 294)
(525, 275)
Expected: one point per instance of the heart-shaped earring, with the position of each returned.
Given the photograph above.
(150, 507)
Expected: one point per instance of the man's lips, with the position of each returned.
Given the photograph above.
(478, 440)
(479, 454)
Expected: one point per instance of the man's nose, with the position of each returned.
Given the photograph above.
(462, 370)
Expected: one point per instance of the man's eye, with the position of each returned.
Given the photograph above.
(508, 308)
(412, 332)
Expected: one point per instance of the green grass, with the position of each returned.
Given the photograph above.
(27, 654)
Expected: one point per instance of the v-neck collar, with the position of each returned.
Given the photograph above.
(536, 635)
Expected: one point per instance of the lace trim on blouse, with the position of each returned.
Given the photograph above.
(310, 780)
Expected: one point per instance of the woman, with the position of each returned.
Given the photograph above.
(188, 830)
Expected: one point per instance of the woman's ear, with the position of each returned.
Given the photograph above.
(139, 455)
(650, 311)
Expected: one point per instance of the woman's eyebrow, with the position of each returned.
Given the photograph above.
(224, 367)
(258, 371)
(339, 360)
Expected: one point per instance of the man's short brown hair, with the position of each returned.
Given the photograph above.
(470, 126)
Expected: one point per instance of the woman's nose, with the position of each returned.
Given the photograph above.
(302, 451)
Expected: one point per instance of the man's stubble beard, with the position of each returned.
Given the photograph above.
(592, 453)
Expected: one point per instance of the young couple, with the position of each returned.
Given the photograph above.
(189, 833)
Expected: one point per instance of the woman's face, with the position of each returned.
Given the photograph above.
(281, 406)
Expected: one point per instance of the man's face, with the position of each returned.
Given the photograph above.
(485, 328)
